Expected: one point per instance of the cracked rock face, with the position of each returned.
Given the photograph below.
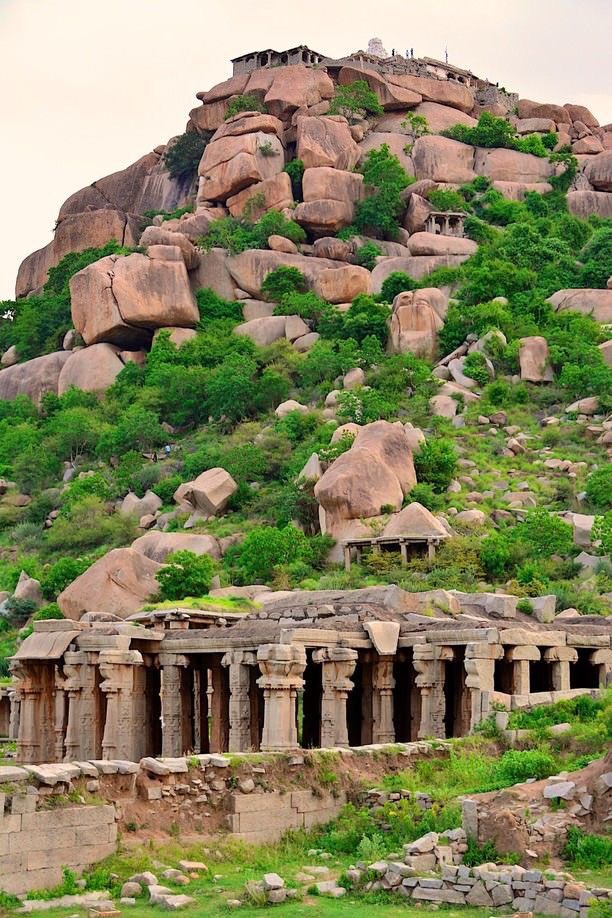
(121, 300)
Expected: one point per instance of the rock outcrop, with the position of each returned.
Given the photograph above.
(418, 316)
(116, 584)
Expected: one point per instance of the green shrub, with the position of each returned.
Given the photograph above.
(497, 132)
(355, 100)
(544, 533)
(380, 212)
(90, 523)
(211, 307)
(596, 258)
(18, 611)
(243, 103)
(185, 574)
(397, 282)
(367, 254)
(295, 170)
(239, 235)
(61, 574)
(518, 765)
(182, 157)
(587, 851)
(424, 494)
(475, 366)
(435, 463)
(416, 124)
(265, 548)
(477, 854)
(447, 200)
(282, 281)
(599, 488)
(166, 487)
(49, 612)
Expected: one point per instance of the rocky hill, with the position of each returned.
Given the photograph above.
(348, 303)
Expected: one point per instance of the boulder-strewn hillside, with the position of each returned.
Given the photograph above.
(343, 304)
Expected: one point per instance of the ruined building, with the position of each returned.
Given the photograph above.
(310, 669)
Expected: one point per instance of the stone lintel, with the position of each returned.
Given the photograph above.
(121, 658)
(602, 656)
(522, 636)
(483, 651)
(173, 659)
(92, 640)
(384, 636)
(588, 640)
(526, 652)
(462, 636)
(59, 624)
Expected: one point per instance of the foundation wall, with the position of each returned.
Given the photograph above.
(265, 817)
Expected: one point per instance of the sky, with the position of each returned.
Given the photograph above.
(88, 87)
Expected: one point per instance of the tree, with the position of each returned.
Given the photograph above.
(138, 428)
(182, 157)
(355, 100)
(185, 574)
(282, 281)
(380, 212)
(544, 534)
(266, 547)
(397, 282)
(435, 463)
(73, 432)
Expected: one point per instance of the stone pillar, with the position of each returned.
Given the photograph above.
(120, 729)
(15, 706)
(60, 703)
(338, 666)
(560, 659)
(480, 668)
(84, 729)
(383, 684)
(239, 663)
(220, 727)
(429, 662)
(29, 745)
(521, 657)
(602, 659)
(282, 667)
(171, 704)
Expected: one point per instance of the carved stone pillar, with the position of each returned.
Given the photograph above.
(30, 691)
(521, 657)
(282, 667)
(171, 704)
(60, 702)
(480, 669)
(120, 729)
(560, 659)
(383, 683)
(239, 663)
(84, 729)
(338, 666)
(429, 662)
(602, 659)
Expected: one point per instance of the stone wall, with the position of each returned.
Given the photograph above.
(36, 844)
(265, 817)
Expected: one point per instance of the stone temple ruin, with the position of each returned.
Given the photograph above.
(377, 58)
(302, 669)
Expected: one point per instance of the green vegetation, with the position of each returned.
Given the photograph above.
(244, 103)
(282, 282)
(497, 132)
(386, 178)
(355, 100)
(185, 574)
(182, 157)
(239, 235)
(295, 170)
(586, 850)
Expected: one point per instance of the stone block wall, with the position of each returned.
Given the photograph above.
(36, 844)
(265, 817)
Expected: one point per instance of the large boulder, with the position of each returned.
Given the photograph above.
(418, 316)
(272, 194)
(516, 191)
(117, 299)
(439, 118)
(581, 113)
(443, 160)
(263, 330)
(326, 141)
(213, 272)
(534, 360)
(557, 113)
(397, 143)
(511, 166)
(375, 473)
(208, 493)
(342, 285)
(415, 266)
(417, 213)
(292, 88)
(75, 233)
(157, 545)
(92, 369)
(416, 521)
(248, 123)
(329, 199)
(160, 235)
(447, 92)
(34, 378)
(144, 185)
(391, 96)
(249, 269)
(231, 164)
(598, 171)
(117, 584)
(435, 244)
(596, 303)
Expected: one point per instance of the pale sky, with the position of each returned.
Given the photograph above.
(88, 87)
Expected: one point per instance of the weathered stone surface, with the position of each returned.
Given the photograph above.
(535, 125)
(511, 166)
(326, 142)
(29, 588)
(587, 145)
(272, 194)
(282, 244)
(598, 171)
(416, 521)
(250, 268)
(418, 315)
(528, 109)
(397, 143)
(118, 583)
(434, 244)
(292, 88)
(209, 492)
(231, 164)
(443, 160)
(446, 92)
(92, 369)
(115, 298)
(417, 213)
(376, 471)
(597, 303)
(74, 233)
(330, 247)
(178, 336)
(415, 266)
(288, 407)
(264, 330)
(391, 96)
(248, 123)
(341, 285)
(441, 117)
(515, 191)
(159, 235)
(11, 357)
(213, 272)
(33, 378)
(158, 545)
(534, 361)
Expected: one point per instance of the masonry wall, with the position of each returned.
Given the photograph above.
(265, 817)
(36, 845)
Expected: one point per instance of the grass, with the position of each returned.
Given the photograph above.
(229, 603)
